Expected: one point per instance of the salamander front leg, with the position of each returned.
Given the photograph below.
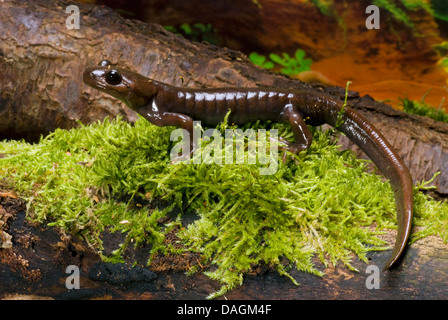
(302, 134)
(177, 120)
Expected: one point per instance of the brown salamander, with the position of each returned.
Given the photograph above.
(166, 105)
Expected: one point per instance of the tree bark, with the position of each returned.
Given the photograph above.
(42, 64)
(41, 89)
(283, 26)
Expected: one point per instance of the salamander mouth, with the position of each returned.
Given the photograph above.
(95, 78)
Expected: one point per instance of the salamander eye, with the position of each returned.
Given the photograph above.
(113, 77)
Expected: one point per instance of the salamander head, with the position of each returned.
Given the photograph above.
(133, 89)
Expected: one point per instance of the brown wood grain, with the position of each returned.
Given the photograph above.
(42, 63)
(41, 89)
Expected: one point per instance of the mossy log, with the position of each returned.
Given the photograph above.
(41, 80)
(41, 89)
(35, 267)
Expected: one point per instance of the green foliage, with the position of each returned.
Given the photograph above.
(258, 4)
(397, 8)
(440, 9)
(442, 51)
(325, 6)
(444, 62)
(423, 109)
(433, 215)
(197, 32)
(261, 60)
(291, 65)
(340, 120)
(57, 178)
(441, 48)
(414, 5)
(396, 12)
(322, 203)
(400, 14)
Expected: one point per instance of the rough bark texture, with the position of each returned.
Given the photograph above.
(42, 63)
(41, 89)
(392, 62)
(283, 25)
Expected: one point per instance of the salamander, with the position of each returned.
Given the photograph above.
(166, 105)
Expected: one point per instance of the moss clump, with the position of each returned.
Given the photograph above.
(397, 8)
(323, 203)
(399, 14)
(421, 108)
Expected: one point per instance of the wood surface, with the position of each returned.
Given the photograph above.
(36, 267)
(41, 89)
(42, 64)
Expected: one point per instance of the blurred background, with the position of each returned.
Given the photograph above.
(403, 63)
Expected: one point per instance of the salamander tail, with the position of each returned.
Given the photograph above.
(375, 145)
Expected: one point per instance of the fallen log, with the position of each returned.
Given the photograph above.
(41, 80)
(36, 268)
(41, 89)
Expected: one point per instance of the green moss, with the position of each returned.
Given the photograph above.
(322, 203)
(397, 8)
(325, 6)
(415, 5)
(423, 109)
(400, 14)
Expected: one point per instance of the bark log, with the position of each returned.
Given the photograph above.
(41, 89)
(42, 63)
(283, 26)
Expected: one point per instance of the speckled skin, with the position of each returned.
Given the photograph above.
(165, 105)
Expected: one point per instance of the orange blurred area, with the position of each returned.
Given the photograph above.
(389, 64)
(388, 81)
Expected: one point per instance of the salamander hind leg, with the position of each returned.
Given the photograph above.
(302, 134)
